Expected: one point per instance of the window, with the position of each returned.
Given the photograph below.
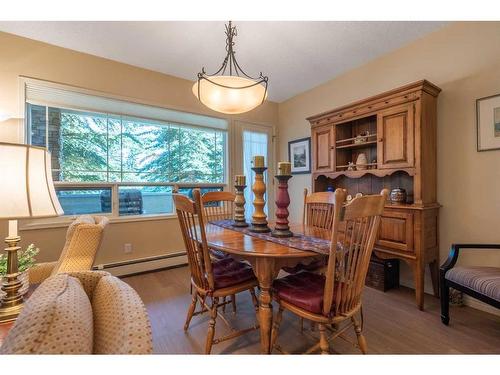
(124, 165)
(84, 200)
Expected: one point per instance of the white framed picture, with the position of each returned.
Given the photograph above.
(299, 154)
(488, 123)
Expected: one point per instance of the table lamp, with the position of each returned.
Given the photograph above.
(26, 191)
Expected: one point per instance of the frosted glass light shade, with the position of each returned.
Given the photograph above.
(26, 189)
(230, 100)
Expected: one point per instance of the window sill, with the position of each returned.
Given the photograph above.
(64, 221)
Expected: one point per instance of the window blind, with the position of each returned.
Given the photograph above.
(45, 93)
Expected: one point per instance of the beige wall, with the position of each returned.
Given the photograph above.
(464, 60)
(25, 57)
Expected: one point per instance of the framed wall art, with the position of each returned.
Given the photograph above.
(299, 154)
(488, 123)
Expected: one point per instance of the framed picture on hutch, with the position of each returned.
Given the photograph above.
(488, 123)
(299, 154)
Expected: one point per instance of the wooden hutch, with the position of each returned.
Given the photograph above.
(400, 149)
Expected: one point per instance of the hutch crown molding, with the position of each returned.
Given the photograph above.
(396, 130)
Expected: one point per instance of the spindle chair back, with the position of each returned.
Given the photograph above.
(318, 209)
(218, 205)
(192, 222)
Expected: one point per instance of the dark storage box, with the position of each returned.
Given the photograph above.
(383, 274)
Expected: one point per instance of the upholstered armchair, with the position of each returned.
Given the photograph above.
(482, 283)
(83, 239)
(90, 312)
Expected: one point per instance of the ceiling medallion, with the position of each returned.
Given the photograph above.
(234, 93)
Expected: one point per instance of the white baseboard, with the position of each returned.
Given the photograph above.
(144, 264)
(476, 304)
(468, 301)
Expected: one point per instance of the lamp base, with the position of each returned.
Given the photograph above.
(12, 303)
(8, 314)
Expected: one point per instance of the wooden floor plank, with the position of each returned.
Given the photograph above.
(393, 324)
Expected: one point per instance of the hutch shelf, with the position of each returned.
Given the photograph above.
(396, 132)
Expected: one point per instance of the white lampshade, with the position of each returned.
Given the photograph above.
(230, 100)
(26, 189)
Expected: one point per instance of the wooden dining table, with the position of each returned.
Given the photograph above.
(266, 258)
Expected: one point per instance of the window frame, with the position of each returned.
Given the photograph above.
(114, 216)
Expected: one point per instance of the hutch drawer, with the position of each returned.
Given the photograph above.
(396, 230)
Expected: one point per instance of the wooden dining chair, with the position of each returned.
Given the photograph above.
(211, 279)
(318, 209)
(317, 213)
(219, 205)
(333, 300)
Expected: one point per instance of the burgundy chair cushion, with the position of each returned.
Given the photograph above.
(228, 272)
(303, 289)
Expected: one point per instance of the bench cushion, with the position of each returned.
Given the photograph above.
(484, 280)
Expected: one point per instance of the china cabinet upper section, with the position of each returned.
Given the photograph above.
(390, 133)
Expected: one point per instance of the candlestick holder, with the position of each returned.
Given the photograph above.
(282, 229)
(259, 218)
(239, 210)
(12, 302)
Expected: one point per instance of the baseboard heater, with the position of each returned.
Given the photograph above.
(142, 265)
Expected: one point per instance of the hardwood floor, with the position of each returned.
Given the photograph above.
(393, 325)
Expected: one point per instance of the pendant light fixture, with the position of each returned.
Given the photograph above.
(233, 93)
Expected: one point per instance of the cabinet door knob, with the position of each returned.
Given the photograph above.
(381, 139)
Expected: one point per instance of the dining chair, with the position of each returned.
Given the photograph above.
(333, 300)
(318, 209)
(211, 279)
(219, 205)
(317, 213)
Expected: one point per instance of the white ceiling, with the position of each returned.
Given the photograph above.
(296, 56)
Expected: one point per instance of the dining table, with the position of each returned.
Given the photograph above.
(267, 258)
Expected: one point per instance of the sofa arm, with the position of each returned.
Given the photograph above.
(39, 272)
(455, 250)
(89, 280)
(121, 323)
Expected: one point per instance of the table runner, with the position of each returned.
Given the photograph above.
(298, 241)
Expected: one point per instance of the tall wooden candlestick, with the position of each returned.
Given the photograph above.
(259, 218)
(281, 229)
(239, 210)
